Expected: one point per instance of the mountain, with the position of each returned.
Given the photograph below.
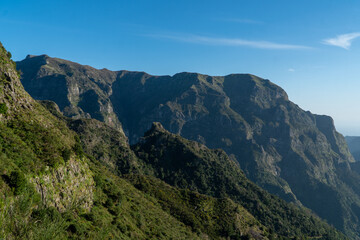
(220, 178)
(51, 188)
(191, 165)
(354, 146)
(292, 153)
(106, 144)
(39, 162)
(74, 91)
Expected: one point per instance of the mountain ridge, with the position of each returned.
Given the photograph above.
(191, 165)
(51, 189)
(275, 142)
(354, 146)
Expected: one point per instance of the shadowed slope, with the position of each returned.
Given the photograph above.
(191, 165)
(292, 153)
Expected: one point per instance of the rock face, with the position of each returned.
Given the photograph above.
(40, 166)
(106, 144)
(50, 190)
(354, 146)
(12, 95)
(290, 152)
(67, 186)
(60, 184)
(190, 165)
(81, 91)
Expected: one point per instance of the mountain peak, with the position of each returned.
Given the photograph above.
(12, 93)
(37, 56)
(156, 127)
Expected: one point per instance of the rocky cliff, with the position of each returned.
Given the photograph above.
(290, 152)
(50, 189)
(354, 146)
(40, 167)
(82, 92)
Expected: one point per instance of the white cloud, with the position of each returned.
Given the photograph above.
(343, 41)
(231, 42)
(291, 70)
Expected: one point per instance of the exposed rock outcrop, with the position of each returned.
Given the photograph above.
(70, 185)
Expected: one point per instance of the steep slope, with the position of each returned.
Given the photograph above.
(39, 163)
(143, 214)
(100, 141)
(354, 146)
(190, 165)
(81, 91)
(49, 189)
(292, 153)
(206, 216)
(212, 216)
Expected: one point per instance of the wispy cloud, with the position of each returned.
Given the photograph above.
(343, 41)
(291, 70)
(236, 42)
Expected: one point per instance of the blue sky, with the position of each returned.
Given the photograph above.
(310, 48)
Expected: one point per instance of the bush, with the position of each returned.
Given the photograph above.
(66, 155)
(9, 55)
(78, 148)
(50, 214)
(17, 182)
(3, 108)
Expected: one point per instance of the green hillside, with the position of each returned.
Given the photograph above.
(190, 165)
(292, 153)
(50, 188)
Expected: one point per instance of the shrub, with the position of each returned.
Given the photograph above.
(78, 148)
(17, 182)
(3, 108)
(9, 55)
(66, 155)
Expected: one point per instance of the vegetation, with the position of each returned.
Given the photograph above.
(41, 165)
(280, 217)
(100, 141)
(3, 108)
(105, 144)
(44, 167)
(17, 182)
(34, 147)
(289, 152)
(190, 165)
(215, 217)
(119, 212)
